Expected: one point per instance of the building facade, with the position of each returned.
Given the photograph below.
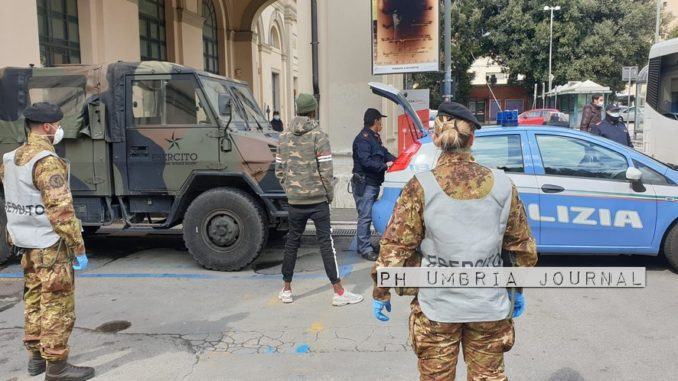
(491, 91)
(265, 43)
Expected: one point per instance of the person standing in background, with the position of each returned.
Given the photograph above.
(370, 162)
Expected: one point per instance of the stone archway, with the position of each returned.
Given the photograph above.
(243, 37)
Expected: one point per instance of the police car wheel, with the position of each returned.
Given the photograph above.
(671, 247)
(225, 229)
(4, 248)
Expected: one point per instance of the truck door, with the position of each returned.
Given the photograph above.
(170, 131)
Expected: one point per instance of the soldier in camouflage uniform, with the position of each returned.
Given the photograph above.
(304, 168)
(46, 230)
(485, 339)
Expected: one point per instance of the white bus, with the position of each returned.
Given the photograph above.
(660, 126)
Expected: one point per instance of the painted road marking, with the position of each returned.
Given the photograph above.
(344, 271)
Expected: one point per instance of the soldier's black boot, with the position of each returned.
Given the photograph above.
(36, 364)
(63, 371)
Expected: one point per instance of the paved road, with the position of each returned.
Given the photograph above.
(146, 311)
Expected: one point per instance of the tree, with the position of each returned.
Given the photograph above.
(591, 39)
(468, 26)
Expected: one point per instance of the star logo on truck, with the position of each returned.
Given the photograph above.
(174, 142)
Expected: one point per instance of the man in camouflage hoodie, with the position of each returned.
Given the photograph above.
(304, 168)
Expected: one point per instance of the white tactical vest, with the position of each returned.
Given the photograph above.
(27, 221)
(464, 233)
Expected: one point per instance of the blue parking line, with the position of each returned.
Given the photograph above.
(344, 271)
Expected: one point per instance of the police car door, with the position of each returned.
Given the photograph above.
(510, 152)
(586, 203)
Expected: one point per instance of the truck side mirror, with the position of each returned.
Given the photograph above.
(634, 175)
(224, 104)
(226, 145)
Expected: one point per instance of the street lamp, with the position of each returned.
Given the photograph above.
(546, 9)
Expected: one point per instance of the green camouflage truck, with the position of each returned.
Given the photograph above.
(157, 145)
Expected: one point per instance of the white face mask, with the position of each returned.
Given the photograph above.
(276, 117)
(613, 114)
(58, 135)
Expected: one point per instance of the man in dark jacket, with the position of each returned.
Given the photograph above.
(370, 161)
(613, 127)
(276, 123)
(591, 114)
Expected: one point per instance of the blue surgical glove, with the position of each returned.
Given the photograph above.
(378, 307)
(518, 303)
(81, 262)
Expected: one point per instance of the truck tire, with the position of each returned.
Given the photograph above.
(225, 229)
(4, 248)
(671, 247)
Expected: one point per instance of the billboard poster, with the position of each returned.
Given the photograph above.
(405, 36)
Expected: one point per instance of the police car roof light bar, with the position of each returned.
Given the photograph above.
(508, 118)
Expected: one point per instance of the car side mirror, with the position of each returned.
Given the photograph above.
(224, 104)
(634, 175)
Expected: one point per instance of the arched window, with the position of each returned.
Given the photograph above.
(58, 32)
(152, 30)
(274, 39)
(210, 41)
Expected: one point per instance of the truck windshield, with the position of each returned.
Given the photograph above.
(252, 110)
(213, 87)
(244, 106)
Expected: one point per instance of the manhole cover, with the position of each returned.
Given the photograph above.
(114, 326)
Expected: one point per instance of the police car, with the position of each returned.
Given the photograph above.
(583, 194)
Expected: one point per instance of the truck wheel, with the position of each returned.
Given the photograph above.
(671, 247)
(224, 229)
(4, 248)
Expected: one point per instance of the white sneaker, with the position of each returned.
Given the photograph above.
(285, 296)
(347, 298)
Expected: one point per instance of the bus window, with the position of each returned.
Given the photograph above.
(667, 84)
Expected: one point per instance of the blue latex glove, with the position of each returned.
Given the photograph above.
(81, 262)
(518, 304)
(378, 307)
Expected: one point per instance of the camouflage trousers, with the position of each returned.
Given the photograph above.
(437, 347)
(49, 313)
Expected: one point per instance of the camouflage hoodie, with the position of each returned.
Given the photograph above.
(303, 164)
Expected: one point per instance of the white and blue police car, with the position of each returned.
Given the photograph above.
(583, 194)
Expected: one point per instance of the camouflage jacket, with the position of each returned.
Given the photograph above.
(303, 164)
(50, 177)
(462, 179)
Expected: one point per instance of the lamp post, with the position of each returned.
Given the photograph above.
(447, 31)
(546, 9)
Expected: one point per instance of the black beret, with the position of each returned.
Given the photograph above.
(458, 111)
(43, 112)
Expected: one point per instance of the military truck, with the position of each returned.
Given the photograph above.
(157, 145)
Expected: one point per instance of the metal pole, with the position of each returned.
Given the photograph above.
(447, 93)
(314, 51)
(628, 98)
(551, 50)
(536, 94)
(658, 21)
(543, 95)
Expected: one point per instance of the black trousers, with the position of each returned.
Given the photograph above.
(320, 215)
